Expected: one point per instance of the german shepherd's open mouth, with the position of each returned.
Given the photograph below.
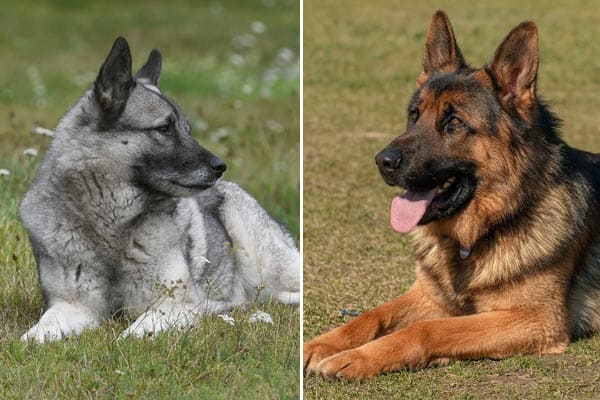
(427, 196)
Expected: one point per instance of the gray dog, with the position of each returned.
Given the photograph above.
(127, 214)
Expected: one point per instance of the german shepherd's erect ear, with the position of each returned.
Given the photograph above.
(441, 51)
(114, 81)
(515, 64)
(150, 72)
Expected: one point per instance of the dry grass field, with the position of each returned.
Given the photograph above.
(360, 64)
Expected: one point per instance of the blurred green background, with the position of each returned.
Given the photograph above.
(233, 67)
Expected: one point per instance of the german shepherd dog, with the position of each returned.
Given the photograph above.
(504, 218)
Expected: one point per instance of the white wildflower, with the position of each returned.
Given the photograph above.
(261, 316)
(4, 172)
(271, 75)
(247, 88)
(284, 56)
(39, 88)
(274, 126)
(258, 27)
(43, 131)
(31, 152)
(291, 71)
(237, 60)
(200, 125)
(227, 318)
(245, 40)
(220, 134)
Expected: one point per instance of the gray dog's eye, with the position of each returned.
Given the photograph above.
(164, 129)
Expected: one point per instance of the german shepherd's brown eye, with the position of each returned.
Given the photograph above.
(413, 115)
(452, 123)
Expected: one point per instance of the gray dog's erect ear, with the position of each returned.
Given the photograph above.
(114, 81)
(150, 72)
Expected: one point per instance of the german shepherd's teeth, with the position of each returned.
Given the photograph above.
(446, 185)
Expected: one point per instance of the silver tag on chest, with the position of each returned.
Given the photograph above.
(464, 252)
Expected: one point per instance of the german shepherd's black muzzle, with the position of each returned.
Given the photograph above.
(437, 185)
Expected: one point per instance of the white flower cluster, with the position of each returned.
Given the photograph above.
(258, 316)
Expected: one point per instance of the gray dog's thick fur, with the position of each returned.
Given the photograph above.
(126, 214)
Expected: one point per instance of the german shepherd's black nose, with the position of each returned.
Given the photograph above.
(389, 158)
(217, 164)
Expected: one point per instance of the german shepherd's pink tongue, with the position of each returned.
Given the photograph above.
(408, 209)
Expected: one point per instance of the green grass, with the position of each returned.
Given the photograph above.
(248, 360)
(51, 52)
(360, 64)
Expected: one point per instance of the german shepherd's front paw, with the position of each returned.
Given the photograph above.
(348, 365)
(315, 351)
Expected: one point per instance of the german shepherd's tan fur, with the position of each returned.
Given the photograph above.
(509, 263)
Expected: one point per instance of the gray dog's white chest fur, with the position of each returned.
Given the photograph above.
(183, 236)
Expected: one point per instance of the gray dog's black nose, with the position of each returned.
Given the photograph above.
(217, 164)
(389, 158)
